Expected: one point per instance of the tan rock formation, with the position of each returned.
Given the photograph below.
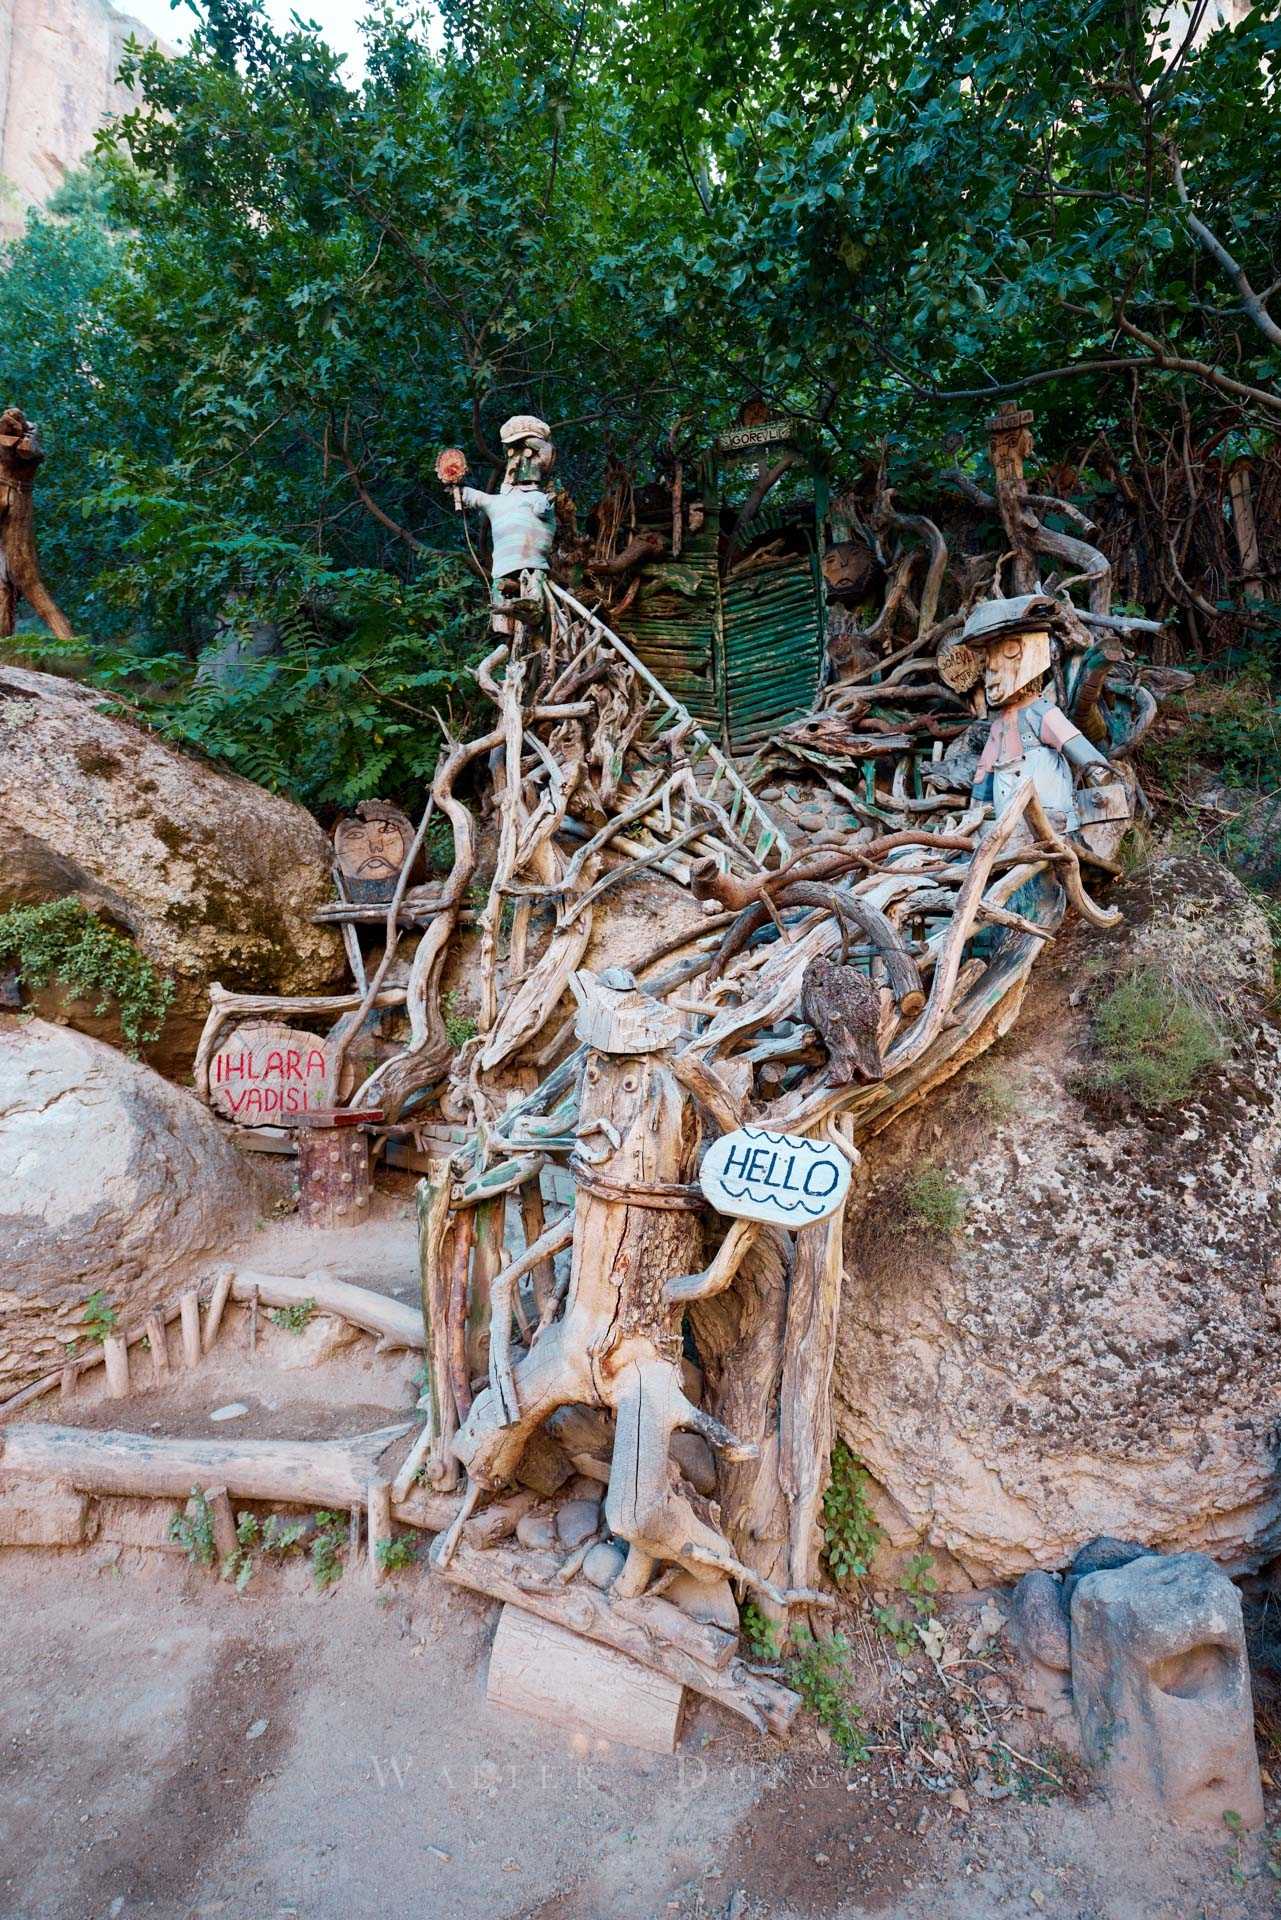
(111, 1181)
(1098, 1350)
(58, 66)
(214, 878)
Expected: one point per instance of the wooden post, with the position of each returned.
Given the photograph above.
(334, 1182)
(159, 1344)
(353, 1539)
(1010, 442)
(1244, 528)
(115, 1354)
(189, 1306)
(67, 1385)
(253, 1321)
(486, 1262)
(379, 1508)
(434, 1274)
(217, 1304)
(224, 1523)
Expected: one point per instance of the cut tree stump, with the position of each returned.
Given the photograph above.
(189, 1307)
(115, 1354)
(552, 1674)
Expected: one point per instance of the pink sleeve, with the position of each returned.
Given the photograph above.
(987, 759)
(1057, 729)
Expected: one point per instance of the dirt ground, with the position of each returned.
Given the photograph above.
(171, 1749)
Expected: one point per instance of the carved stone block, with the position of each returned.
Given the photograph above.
(1161, 1687)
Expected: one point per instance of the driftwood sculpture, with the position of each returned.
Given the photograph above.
(20, 458)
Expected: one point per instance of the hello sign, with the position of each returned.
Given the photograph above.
(780, 1177)
(268, 1073)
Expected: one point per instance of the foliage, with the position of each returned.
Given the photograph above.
(1231, 728)
(327, 1548)
(459, 1027)
(63, 941)
(393, 1555)
(193, 1530)
(295, 1318)
(909, 1628)
(100, 1317)
(850, 1533)
(760, 1632)
(934, 1200)
(274, 1535)
(820, 1673)
(1152, 1043)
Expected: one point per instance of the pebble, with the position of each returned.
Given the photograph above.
(577, 1521)
(232, 1411)
(603, 1564)
(257, 1730)
(536, 1530)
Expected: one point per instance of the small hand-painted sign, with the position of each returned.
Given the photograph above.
(268, 1074)
(780, 1177)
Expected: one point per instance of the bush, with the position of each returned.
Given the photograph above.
(850, 1534)
(1152, 1043)
(61, 940)
(934, 1200)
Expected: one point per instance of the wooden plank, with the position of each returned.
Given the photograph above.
(543, 1670)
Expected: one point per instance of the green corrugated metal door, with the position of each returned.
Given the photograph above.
(672, 624)
(772, 639)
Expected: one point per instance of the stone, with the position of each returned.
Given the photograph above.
(711, 1601)
(112, 1181)
(212, 877)
(321, 1340)
(604, 1563)
(577, 1521)
(1039, 1621)
(696, 1461)
(1098, 1350)
(42, 1513)
(536, 1531)
(1161, 1686)
(232, 1411)
(1099, 1555)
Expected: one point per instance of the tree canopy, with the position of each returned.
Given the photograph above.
(280, 293)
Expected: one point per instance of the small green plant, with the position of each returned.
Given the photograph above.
(992, 1093)
(193, 1530)
(1152, 1043)
(101, 1318)
(63, 941)
(850, 1534)
(906, 1627)
(820, 1673)
(393, 1555)
(327, 1548)
(239, 1566)
(934, 1200)
(760, 1633)
(459, 1027)
(295, 1318)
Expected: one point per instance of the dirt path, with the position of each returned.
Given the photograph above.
(170, 1750)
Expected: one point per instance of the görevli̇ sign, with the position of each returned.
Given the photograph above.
(780, 1177)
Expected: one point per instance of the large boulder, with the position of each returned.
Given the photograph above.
(111, 1181)
(1098, 1349)
(213, 877)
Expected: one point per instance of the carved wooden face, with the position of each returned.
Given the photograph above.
(371, 849)
(1012, 662)
(529, 462)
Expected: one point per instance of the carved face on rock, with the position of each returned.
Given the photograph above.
(1013, 662)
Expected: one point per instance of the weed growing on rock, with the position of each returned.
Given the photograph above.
(293, 1319)
(101, 1317)
(934, 1200)
(61, 940)
(459, 1027)
(820, 1673)
(1152, 1043)
(910, 1628)
(850, 1534)
(760, 1633)
(193, 1530)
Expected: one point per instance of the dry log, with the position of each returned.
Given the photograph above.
(395, 1323)
(189, 1310)
(529, 1581)
(217, 1306)
(433, 1273)
(499, 1519)
(541, 1669)
(379, 1510)
(115, 1353)
(158, 1341)
(326, 1473)
(20, 458)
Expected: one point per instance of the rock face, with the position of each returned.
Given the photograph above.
(1098, 1350)
(1161, 1687)
(111, 1180)
(58, 66)
(214, 878)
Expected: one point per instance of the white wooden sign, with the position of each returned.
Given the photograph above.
(780, 1177)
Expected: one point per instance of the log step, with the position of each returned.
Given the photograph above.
(545, 1671)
